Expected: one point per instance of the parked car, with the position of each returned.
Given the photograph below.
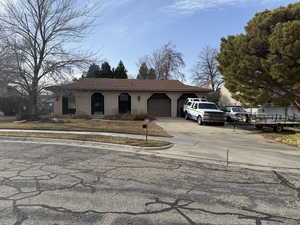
(237, 114)
(204, 112)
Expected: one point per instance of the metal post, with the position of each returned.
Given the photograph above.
(227, 158)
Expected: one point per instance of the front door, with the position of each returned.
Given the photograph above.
(65, 105)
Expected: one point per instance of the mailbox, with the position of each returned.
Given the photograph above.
(145, 126)
(146, 123)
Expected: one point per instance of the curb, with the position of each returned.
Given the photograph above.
(101, 133)
(82, 143)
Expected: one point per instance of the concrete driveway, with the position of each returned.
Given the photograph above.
(211, 143)
(52, 184)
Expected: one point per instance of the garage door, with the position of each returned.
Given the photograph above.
(159, 105)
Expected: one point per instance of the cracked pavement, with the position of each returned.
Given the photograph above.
(64, 185)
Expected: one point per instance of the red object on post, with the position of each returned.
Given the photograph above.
(146, 123)
(145, 126)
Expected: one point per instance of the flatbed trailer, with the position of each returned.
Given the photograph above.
(277, 122)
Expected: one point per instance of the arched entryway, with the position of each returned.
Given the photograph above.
(124, 103)
(180, 103)
(97, 104)
(159, 105)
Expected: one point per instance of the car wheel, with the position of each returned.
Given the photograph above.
(199, 120)
(186, 116)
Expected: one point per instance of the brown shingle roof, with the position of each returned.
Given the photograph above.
(130, 85)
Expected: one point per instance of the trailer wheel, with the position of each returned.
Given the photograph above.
(278, 128)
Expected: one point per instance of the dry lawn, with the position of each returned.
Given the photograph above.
(7, 118)
(94, 138)
(290, 136)
(128, 127)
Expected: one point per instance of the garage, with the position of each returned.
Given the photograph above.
(181, 101)
(159, 105)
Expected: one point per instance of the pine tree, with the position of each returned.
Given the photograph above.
(106, 71)
(94, 71)
(152, 74)
(143, 72)
(120, 71)
(262, 65)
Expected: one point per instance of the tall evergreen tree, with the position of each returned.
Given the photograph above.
(106, 71)
(143, 72)
(152, 74)
(263, 64)
(120, 71)
(94, 71)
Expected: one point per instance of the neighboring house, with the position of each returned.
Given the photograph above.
(3, 90)
(7, 91)
(46, 103)
(227, 100)
(160, 98)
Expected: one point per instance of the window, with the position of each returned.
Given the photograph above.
(72, 102)
(238, 109)
(69, 104)
(207, 106)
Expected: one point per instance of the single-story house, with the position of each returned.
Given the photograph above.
(95, 96)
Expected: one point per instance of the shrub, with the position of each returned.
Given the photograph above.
(73, 116)
(130, 117)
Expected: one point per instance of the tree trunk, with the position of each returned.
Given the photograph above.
(33, 99)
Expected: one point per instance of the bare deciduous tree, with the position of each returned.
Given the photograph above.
(206, 73)
(7, 65)
(38, 33)
(167, 63)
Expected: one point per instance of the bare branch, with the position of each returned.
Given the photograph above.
(37, 33)
(206, 73)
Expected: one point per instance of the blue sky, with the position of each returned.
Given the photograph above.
(130, 29)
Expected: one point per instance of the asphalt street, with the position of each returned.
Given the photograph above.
(63, 185)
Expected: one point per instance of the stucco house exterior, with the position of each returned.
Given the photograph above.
(226, 98)
(97, 97)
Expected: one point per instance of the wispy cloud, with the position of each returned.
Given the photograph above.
(191, 6)
(112, 4)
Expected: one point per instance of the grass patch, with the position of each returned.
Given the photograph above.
(290, 137)
(128, 127)
(7, 119)
(94, 138)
